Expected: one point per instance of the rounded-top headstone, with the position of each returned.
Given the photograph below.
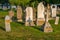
(7, 23)
(7, 18)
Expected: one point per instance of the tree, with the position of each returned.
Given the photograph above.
(19, 2)
(56, 1)
(3, 1)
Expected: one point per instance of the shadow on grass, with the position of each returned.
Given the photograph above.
(2, 28)
(14, 19)
(21, 23)
(38, 28)
(2, 17)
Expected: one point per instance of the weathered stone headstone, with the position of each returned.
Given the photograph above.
(47, 26)
(40, 14)
(29, 17)
(54, 10)
(19, 14)
(4, 8)
(57, 21)
(49, 14)
(7, 23)
(11, 14)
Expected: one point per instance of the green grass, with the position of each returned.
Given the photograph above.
(21, 32)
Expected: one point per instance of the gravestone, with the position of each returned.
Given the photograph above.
(49, 14)
(54, 10)
(57, 21)
(4, 7)
(11, 14)
(19, 13)
(29, 17)
(7, 23)
(40, 14)
(47, 27)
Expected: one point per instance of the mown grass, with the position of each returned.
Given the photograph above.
(21, 32)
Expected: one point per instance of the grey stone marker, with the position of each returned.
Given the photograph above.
(7, 24)
(47, 26)
(19, 13)
(54, 10)
(40, 14)
(29, 17)
(57, 21)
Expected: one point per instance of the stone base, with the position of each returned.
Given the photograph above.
(19, 20)
(10, 20)
(32, 24)
(40, 22)
(48, 28)
(29, 24)
(26, 23)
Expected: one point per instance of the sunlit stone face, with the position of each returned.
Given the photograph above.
(7, 24)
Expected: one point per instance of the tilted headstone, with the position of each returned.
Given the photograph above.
(57, 21)
(7, 23)
(54, 10)
(47, 27)
(40, 14)
(29, 17)
(19, 13)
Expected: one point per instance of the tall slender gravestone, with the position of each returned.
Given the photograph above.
(54, 10)
(57, 21)
(47, 26)
(29, 17)
(7, 23)
(40, 14)
(11, 14)
(19, 13)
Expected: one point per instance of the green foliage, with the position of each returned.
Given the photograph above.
(19, 2)
(53, 1)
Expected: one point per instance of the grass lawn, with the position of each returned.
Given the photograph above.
(21, 32)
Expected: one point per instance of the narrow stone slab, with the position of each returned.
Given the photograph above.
(7, 23)
(57, 21)
(19, 13)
